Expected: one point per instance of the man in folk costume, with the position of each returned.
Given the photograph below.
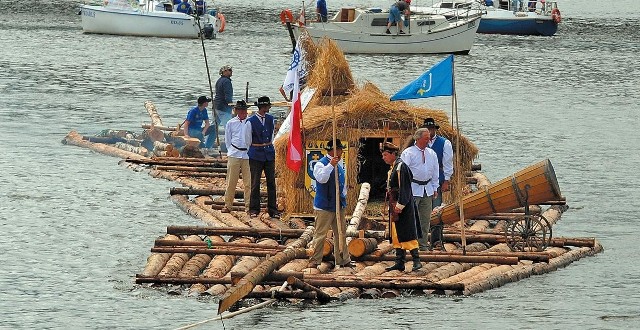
(324, 205)
(262, 158)
(404, 227)
(423, 163)
(444, 151)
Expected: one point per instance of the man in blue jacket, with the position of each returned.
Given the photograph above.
(262, 158)
(324, 205)
(222, 101)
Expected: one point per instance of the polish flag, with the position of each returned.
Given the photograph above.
(294, 149)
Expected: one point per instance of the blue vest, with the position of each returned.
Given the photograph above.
(326, 192)
(438, 147)
(261, 134)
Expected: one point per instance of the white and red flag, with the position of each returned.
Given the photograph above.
(294, 148)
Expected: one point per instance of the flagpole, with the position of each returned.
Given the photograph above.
(454, 109)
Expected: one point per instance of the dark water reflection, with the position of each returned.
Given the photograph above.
(77, 227)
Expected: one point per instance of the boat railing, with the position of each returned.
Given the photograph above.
(541, 7)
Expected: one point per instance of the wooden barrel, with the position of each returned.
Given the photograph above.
(361, 246)
(534, 184)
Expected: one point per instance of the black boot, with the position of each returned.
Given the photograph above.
(399, 265)
(416, 260)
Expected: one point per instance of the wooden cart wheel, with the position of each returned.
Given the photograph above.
(527, 233)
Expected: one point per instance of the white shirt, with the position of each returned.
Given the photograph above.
(237, 134)
(447, 157)
(423, 163)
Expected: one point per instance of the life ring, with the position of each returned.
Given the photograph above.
(286, 16)
(555, 15)
(220, 22)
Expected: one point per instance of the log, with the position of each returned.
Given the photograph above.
(300, 284)
(361, 205)
(253, 232)
(197, 212)
(532, 256)
(218, 267)
(248, 282)
(157, 261)
(216, 243)
(481, 181)
(451, 258)
(160, 127)
(283, 295)
(506, 194)
(198, 262)
(221, 162)
(206, 169)
(153, 113)
(177, 260)
(136, 150)
(361, 246)
(153, 135)
(75, 139)
(207, 192)
(221, 203)
(227, 251)
(496, 239)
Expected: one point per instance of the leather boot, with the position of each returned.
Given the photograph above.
(399, 265)
(416, 260)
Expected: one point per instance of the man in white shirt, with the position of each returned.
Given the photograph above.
(237, 137)
(444, 151)
(423, 163)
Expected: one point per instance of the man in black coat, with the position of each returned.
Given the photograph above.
(404, 227)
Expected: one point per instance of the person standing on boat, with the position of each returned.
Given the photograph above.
(394, 15)
(404, 228)
(444, 151)
(321, 10)
(262, 157)
(423, 164)
(237, 137)
(185, 7)
(222, 101)
(193, 124)
(324, 205)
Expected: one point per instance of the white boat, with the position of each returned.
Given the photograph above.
(150, 19)
(358, 30)
(530, 17)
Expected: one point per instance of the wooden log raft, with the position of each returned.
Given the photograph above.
(157, 261)
(207, 192)
(533, 185)
(75, 139)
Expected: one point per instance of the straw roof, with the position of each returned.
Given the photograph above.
(364, 112)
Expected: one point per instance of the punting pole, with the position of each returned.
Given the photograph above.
(339, 224)
(454, 110)
(206, 64)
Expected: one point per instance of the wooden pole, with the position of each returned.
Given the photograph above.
(300, 284)
(248, 282)
(206, 192)
(454, 104)
(254, 252)
(339, 222)
(206, 64)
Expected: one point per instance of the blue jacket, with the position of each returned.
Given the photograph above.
(325, 198)
(262, 134)
(438, 147)
(224, 94)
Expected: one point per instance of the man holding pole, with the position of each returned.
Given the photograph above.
(324, 205)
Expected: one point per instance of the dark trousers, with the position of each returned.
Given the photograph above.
(269, 168)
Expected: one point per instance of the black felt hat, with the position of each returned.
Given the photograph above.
(241, 105)
(263, 101)
(389, 147)
(330, 145)
(203, 99)
(429, 123)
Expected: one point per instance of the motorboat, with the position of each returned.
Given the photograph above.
(150, 19)
(360, 30)
(539, 18)
(519, 17)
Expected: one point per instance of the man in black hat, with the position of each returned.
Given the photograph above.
(262, 157)
(237, 137)
(404, 227)
(444, 151)
(324, 205)
(193, 124)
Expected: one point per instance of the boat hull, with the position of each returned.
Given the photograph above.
(96, 19)
(457, 39)
(499, 21)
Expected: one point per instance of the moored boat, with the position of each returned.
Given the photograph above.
(358, 30)
(151, 19)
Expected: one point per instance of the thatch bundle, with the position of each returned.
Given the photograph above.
(365, 113)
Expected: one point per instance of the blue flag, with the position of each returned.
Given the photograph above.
(438, 81)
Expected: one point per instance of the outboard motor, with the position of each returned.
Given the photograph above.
(208, 31)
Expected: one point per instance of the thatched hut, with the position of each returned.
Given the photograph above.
(364, 118)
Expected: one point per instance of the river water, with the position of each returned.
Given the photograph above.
(76, 227)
